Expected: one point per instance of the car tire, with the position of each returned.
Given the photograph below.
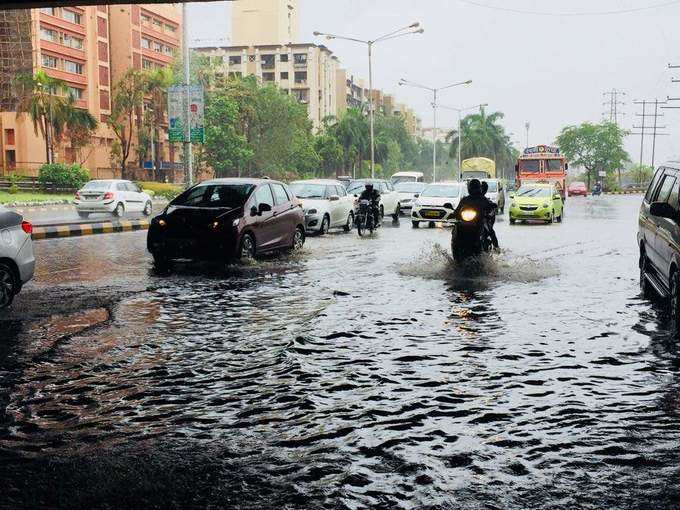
(298, 239)
(83, 214)
(247, 247)
(350, 222)
(148, 209)
(397, 212)
(382, 212)
(325, 226)
(160, 263)
(415, 224)
(119, 211)
(645, 287)
(512, 221)
(8, 285)
(559, 218)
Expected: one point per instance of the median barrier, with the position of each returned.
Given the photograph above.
(41, 232)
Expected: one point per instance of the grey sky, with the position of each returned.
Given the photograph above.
(550, 71)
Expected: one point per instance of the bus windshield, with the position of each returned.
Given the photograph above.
(553, 165)
(530, 166)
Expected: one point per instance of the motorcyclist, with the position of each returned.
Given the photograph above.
(372, 194)
(490, 218)
(477, 201)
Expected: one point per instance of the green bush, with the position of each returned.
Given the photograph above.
(161, 189)
(13, 189)
(63, 176)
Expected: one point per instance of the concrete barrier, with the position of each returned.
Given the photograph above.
(626, 192)
(87, 229)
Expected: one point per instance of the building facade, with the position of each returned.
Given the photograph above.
(265, 22)
(89, 48)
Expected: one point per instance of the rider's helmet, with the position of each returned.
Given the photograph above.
(474, 187)
(485, 187)
(369, 186)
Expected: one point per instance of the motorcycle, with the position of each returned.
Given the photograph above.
(470, 235)
(597, 190)
(365, 219)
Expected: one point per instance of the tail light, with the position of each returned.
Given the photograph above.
(108, 196)
(27, 227)
(77, 197)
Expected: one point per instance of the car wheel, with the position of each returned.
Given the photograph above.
(160, 263)
(247, 248)
(645, 287)
(148, 209)
(8, 285)
(397, 212)
(382, 212)
(674, 303)
(559, 218)
(350, 222)
(83, 214)
(325, 226)
(415, 224)
(119, 212)
(298, 239)
(512, 221)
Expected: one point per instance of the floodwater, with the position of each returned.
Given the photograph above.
(361, 373)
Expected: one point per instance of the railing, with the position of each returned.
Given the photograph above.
(32, 184)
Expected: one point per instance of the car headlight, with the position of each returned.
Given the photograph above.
(546, 204)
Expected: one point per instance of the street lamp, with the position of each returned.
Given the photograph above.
(434, 91)
(413, 28)
(460, 133)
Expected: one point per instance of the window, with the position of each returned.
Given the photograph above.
(146, 20)
(301, 77)
(147, 64)
(103, 51)
(157, 47)
(553, 165)
(171, 29)
(529, 166)
(280, 194)
(268, 76)
(665, 189)
(102, 27)
(104, 100)
(267, 61)
(73, 67)
(71, 16)
(263, 195)
(284, 76)
(234, 59)
(157, 25)
(73, 42)
(167, 50)
(11, 158)
(283, 57)
(49, 35)
(74, 92)
(653, 184)
(103, 75)
(340, 191)
(146, 43)
(121, 186)
(131, 186)
(673, 197)
(9, 136)
(227, 196)
(49, 61)
(300, 58)
(49, 10)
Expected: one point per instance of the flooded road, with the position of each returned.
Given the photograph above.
(361, 373)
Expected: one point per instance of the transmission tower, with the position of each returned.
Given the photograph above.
(613, 104)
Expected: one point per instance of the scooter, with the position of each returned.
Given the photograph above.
(470, 235)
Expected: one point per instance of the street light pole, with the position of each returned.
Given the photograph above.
(460, 131)
(187, 128)
(409, 30)
(434, 91)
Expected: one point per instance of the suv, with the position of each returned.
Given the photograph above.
(658, 239)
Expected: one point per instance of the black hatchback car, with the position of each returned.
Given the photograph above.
(659, 239)
(223, 219)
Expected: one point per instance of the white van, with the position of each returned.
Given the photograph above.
(407, 177)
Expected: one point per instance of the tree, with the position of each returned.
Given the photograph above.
(38, 97)
(156, 83)
(128, 97)
(595, 147)
(77, 124)
(330, 153)
(640, 174)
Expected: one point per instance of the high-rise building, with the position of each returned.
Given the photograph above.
(265, 22)
(89, 48)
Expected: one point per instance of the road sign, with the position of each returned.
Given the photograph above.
(602, 173)
(177, 108)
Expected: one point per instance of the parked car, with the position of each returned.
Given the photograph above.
(17, 261)
(437, 202)
(326, 205)
(112, 196)
(223, 219)
(408, 192)
(389, 198)
(659, 237)
(496, 193)
(536, 202)
(577, 188)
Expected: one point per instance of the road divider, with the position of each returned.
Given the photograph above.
(87, 229)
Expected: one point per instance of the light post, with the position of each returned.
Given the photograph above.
(527, 126)
(460, 132)
(434, 91)
(414, 28)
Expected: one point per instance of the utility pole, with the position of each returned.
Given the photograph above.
(188, 165)
(612, 104)
(644, 128)
(527, 126)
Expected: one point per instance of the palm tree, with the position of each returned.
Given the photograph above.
(38, 98)
(352, 132)
(76, 123)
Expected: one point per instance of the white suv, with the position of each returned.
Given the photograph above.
(326, 204)
(389, 198)
(112, 196)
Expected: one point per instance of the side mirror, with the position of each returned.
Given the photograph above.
(416, 195)
(253, 211)
(334, 198)
(356, 196)
(663, 210)
(264, 208)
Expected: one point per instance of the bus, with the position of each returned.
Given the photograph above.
(478, 168)
(542, 164)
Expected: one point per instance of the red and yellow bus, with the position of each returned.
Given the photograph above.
(542, 163)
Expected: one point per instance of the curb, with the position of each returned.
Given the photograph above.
(87, 229)
(631, 192)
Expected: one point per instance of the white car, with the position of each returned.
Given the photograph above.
(408, 192)
(389, 198)
(326, 205)
(112, 196)
(17, 261)
(496, 193)
(437, 202)
(407, 177)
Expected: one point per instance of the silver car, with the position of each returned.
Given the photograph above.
(17, 261)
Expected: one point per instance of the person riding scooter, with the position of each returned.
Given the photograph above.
(491, 218)
(477, 201)
(372, 194)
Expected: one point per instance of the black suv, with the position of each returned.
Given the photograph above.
(659, 239)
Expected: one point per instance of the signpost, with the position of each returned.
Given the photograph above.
(177, 131)
(176, 114)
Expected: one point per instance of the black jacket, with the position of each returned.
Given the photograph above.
(477, 202)
(373, 196)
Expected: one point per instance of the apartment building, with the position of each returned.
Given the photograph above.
(306, 71)
(89, 48)
(265, 22)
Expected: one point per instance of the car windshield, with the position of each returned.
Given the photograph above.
(409, 187)
(525, 191)
(493, 186)
(357, 187)
(441, 191)
(215, 195)
(306, 190)
(97, 186)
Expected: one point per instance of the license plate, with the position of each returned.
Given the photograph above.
(431, 214)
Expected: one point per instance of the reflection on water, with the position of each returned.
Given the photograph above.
(369, 374)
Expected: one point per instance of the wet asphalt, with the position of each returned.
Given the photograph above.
(360, 373)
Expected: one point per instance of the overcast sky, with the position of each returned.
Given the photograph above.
(548, 70)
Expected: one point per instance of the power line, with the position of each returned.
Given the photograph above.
(572, 14)
(644, 127)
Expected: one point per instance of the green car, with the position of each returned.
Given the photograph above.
(536, 202)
